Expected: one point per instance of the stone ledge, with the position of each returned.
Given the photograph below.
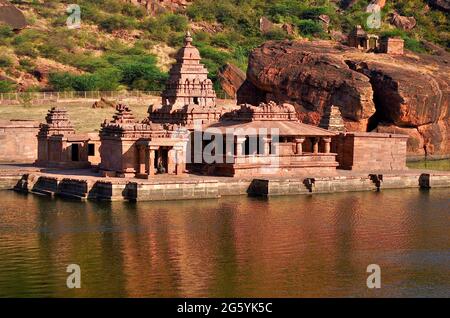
(91, 188)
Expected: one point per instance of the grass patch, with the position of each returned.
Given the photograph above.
(440, 165)
(84, 118)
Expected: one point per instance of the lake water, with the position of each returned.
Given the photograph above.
(298, 246)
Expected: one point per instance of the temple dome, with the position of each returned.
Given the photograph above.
(188, 51)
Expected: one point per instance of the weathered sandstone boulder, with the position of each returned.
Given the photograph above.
(405, 23)
(11, 16)
(231, 78)
(374, 91)
(443, 5)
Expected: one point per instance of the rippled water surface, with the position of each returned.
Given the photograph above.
(309, 246)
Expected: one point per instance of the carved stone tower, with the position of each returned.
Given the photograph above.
(188, 82)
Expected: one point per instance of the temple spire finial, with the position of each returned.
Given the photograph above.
(188, 38)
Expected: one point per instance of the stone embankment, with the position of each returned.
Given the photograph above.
(112, 189)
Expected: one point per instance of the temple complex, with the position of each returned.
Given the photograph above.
(189, 133)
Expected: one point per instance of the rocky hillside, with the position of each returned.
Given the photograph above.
(407, 94)
(129, 44)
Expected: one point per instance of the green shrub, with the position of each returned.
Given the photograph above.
(7, 87)
(26, 49)
(61, 81)
(49, 51)
(276, 34)
(116, 22)
(414, 45)
(135, 72)
(133, 11)
(177, 23)
(6, 34)
(28, 36)
(6, 30)
(27, 65)
(310, 27)
(5, 61)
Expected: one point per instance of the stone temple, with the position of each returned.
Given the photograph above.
(188, 133)
(189, 93)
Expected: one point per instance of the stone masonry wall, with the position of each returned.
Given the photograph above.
(371, 151)
(18, 142)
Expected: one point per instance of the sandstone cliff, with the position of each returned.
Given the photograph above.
(408, 94)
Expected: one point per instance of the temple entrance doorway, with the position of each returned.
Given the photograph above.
(75, 149)
(162, 160)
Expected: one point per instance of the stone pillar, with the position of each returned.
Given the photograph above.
(240, 146)
(315, 145)
(180, 162)
(299, 146)
(267, 141)
(171, 161)
(327, 143)
(151, 160)
(141, 169)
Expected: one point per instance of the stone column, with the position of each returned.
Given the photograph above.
(180, 162)
(299, 146)
(151, 160)
(171, 162)
(315, 144)
(141, 157)
(240, 146)
(267, 141)
(327, 142)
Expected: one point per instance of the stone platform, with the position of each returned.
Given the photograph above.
(86, 185)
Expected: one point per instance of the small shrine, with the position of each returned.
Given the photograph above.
(130, 148)
(60, 146)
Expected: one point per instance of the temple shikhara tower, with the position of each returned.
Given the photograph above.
(188, 81)
(189, 94)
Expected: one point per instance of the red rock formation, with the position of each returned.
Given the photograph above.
(231, 78)
(443, 5)
(405, 23)
(374, 91)
(11, 16)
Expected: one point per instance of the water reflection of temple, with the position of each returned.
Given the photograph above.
(312, 246)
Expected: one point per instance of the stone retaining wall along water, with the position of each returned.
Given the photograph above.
(103, 189)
